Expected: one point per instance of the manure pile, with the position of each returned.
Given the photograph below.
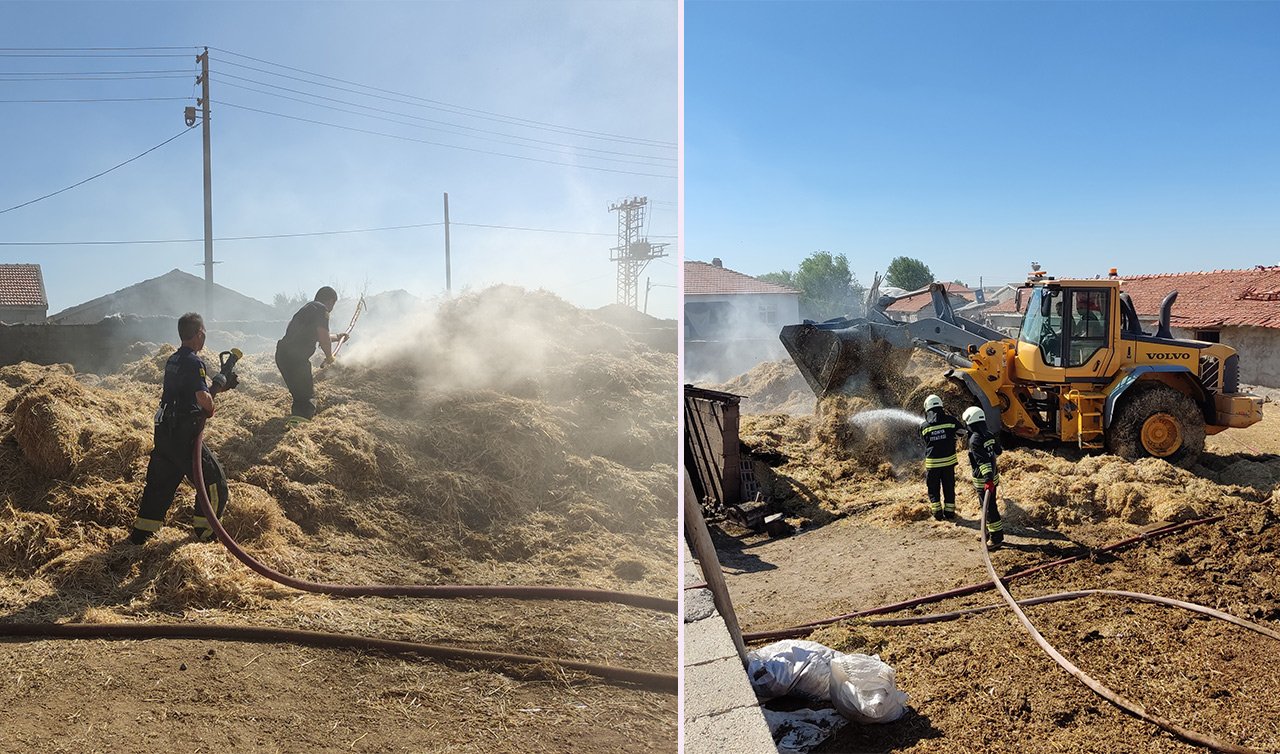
(503, 437)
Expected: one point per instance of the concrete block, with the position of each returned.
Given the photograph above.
(707, 641)
(740, 731)
(717, 687)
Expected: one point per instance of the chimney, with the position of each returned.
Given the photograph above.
(715, 262)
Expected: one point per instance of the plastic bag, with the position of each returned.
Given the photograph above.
(791, 666)
(863, 689)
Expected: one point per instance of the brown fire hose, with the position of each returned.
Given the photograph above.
(541, 667)
(411, 590)
(1124, 703)
(808, 628)
(656, 681)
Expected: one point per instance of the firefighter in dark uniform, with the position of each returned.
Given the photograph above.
(984, 447)
(309, 326)
(186, 396)
(939, 432)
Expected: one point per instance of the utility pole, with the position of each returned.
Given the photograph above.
(208, 186)
(448, 278)
(633, 253)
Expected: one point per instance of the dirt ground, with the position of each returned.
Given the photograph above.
(447, 450)
(865, 538)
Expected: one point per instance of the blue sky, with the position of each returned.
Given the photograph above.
(981, 136)
(576, 74)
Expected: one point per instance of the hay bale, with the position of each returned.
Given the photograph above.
(67, 431)
(47, 423)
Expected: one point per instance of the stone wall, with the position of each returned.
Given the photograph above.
(1259, 349)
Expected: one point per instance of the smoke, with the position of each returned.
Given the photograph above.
(723, 339)
(498, 339)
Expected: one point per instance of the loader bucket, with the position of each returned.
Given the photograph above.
(844, 355)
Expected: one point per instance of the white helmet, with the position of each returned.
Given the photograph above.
(973, 415)
(932, 402)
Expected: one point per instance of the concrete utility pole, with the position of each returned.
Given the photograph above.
(448, 277)
(633, 252)
(208, 186)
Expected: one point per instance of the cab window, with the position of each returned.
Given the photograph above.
(1089, 311)
(1042, 325)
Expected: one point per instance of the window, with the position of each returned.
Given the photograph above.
(769, 313)
(1042, 325)
(1209, 336)
(1089, 312)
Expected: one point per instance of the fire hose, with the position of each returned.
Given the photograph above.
(656, 681)
(544, 667)
(1124, 703)
(808, 628)
(410, 590)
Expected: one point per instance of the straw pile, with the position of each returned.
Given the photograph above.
(505, 437)
(826, 464)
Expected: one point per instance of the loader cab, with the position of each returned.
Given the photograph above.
(1066, 332)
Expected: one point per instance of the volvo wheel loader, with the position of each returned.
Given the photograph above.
(1080, 370)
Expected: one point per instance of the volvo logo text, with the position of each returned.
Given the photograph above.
(1168, 356)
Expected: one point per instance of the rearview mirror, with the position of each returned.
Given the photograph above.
(1046, 305)
(1017, 300)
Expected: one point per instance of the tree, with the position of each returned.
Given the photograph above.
(825, 284)
(782, 277)
(908, 274)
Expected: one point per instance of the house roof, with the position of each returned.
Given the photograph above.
(703, 278)
(22, 285)
(923, 299)
(171, 294)
(1218, 298)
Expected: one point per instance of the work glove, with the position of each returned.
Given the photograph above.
(327, 361)
(343, 337)
(233, 379)
(989, 486)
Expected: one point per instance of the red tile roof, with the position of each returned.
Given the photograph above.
(1211, 299)
(704, 278)
(22, 285)
(923, 300)
(1221, 298)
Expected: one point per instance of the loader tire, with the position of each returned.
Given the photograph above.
(1157, 421)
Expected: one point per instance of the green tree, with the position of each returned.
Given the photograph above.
(782, 277)
(908, 274)
(825, 284)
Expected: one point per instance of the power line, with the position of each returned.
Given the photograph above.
(95, 73)
(99, 175)
(545, 230)
(437, 104)
(441, 144)
(18, 78)
(88, 49)
(222, 74)
(103, 99)
(299, 235)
